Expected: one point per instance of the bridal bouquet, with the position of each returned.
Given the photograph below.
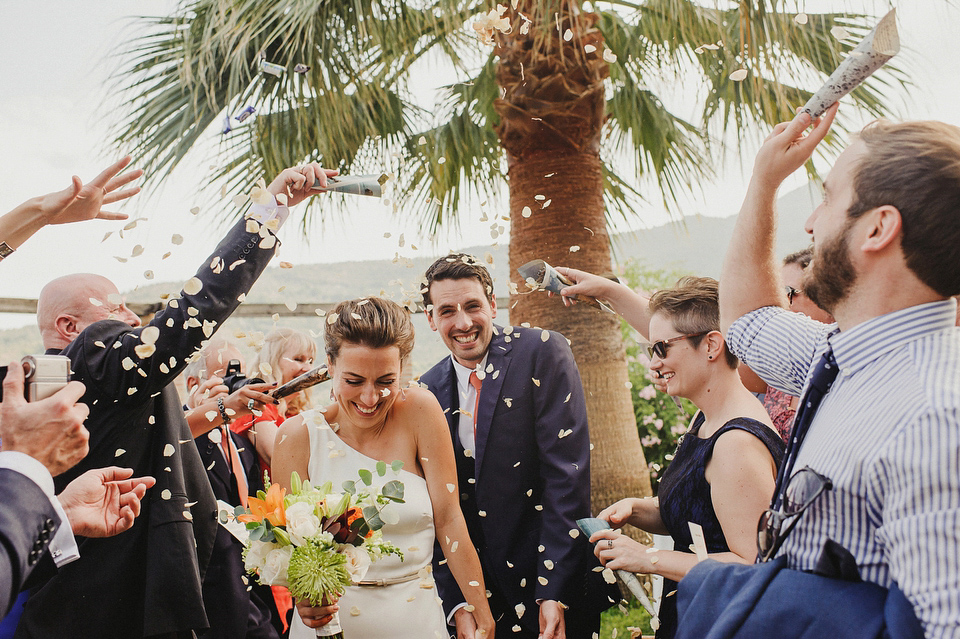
(316, 541)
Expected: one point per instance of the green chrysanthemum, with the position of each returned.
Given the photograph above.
(315, 570)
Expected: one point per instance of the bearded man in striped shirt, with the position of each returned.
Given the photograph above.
(887, 432)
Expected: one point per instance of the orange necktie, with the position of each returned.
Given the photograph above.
(231, 454)
(476, 383)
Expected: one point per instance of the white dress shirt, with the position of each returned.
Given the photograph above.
(468, 397)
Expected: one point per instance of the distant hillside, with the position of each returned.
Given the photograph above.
(695, 245)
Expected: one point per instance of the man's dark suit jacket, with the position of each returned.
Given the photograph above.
(237, 606)
(147, 580)
(27, 524)
(532, 472)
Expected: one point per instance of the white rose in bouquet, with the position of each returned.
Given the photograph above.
(358, 561)
(257, 555)
(274, 571)
(302, 522)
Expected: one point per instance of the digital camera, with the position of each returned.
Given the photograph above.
(43, 375)
(234, 379)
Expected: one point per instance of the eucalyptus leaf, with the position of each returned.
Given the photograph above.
(366, 476)
(350, 487)
(381, 468)
(396, 465)
(372, 517)
(393, 490)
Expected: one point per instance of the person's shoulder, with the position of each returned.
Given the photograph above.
(416, 398)
(743, 437)
(436, 372)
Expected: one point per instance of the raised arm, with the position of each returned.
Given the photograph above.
(750, 277)
(630, 305)
(76, 203)
(435, 452)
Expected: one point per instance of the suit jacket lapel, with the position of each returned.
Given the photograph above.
(497, 364)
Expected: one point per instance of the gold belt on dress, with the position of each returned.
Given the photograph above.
(389, 581)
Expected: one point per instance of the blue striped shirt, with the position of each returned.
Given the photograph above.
(888, 436)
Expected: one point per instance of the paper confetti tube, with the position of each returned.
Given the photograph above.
(590, 525)
(546, 278)
(880, 45)
(354, 184)
(310, 378)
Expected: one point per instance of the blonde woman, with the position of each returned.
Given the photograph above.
(286, 353)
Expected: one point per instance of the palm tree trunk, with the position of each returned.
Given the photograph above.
(574, 218)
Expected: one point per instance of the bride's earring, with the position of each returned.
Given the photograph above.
(333, 396)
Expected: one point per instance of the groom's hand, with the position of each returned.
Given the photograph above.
(552, 625)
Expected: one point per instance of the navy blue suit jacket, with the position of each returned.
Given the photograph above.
(146, 581)
(532, 472)
(27, 524)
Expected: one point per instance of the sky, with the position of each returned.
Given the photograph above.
(56, 110)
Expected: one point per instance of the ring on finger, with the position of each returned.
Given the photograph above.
(250, 404)
(609, 543)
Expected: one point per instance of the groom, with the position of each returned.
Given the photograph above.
(515, 407)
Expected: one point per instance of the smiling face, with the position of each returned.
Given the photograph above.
(684, 367)
(366, 382)
(463, 315)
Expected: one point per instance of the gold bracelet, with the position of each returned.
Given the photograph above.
(5, 250)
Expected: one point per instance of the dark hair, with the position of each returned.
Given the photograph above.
(457, 266)
(371, 321)
(693, 306)
(800, 258)
(915, 167)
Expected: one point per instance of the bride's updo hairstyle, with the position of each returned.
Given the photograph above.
(373, 322)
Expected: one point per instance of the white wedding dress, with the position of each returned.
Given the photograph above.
(409, 609)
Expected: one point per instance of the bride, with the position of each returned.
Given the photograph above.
(371, 419)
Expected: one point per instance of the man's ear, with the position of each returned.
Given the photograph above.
(67, 327)
(493, 306)
(429, 314)
(884, 227)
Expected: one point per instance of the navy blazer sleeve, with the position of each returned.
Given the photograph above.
(27, 524)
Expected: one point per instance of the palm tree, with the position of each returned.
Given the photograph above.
(563, 103)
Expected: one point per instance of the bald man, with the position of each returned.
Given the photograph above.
(147, 582)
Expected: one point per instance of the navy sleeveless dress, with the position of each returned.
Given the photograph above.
(685, 497)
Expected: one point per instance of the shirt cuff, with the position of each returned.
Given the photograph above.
(63, 547)
(450, 621)
(267, 212)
